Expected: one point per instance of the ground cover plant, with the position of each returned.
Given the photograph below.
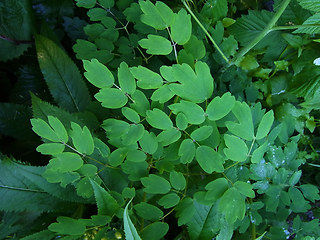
(160, 119)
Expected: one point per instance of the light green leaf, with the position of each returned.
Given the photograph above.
(155, 231)
(237, 149)
(68, 226)
(125, 78)
(170, 200)
(232, 204)
(195, 48)
(115, 128)
(134, 134)
(181, 121)
(149, 142)
(62, 76)
(147, 79)
(158, 16)
(193, 86)
(169, 136)
(201, 133)
(66, 162)
(82, 139)
(130, 114)
(244, 128)
(148, 211)
(181, 28)
(129, 229)
(106, 204)
(156, 45)
(98, 74)
(177, 180)
(111, 98)
(244, 188)
(155, 184)
(220, 107)
(187, 151)
(158, 119)
(58, 128)
(88, 170)
(265, 125)
(209, 160)
(50, 148)
(216, 189)
(193, 112)
(162, 94)
(257, 154)
(117, 156)
(43, 129)
(136, 156)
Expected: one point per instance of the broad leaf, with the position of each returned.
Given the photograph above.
(209, 160)
(193, 112)
(216, 189)
(129, 229)
(82, 139)
(162, 94)
(177, 180)
(220, 107)
(156, 231)
(67, 226)
(312, 5)
(187, 151)
(50, 148)
(170, 200)
(265, 125)
(257, 154)
(58, 128)
(62, 76)
(169, 136)
(98, 74)
(181, 121)
(156, 45)
(111, 98)
(148, 211)
(237, 149)
(146, 78)
(149, 142)
(125, 78)
(65, 162)
(201, 133)
(313, 20)
(181, 28)
(136, 156)
(158, 119)
(244, 188)
(43, 129)
(130, 114)
(155, 184)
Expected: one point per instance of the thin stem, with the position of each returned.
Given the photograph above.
(205, 31)
(15, 41)
(22, 189)
(263, 33)
(173, 45)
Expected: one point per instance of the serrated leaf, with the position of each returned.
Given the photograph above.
(220, 107)
(158, 16)
(169, 136)
(193, 112)
(50, 148)
(129, 229)
(313, 20)
(232, 204)
(158, 119)
(130, 114)
(209, 160)
(237, 149)
(106, 204)
(68, 226)
(82, 139)
(216, 189)
(170, 200)
(265, 125)
(201, 133)
(193, 86)
(98, 74)
(148, 211)
(244, 188)
(111, 98)
(62, 76)
(155, 184)
(177, 180)
(312, 5)
(187, 151)
(156, 45)
(58, 128)
(126, 79)
(181, 28)
(147, 79)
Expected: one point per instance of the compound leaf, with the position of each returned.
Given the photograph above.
(68, 226)
(147, 79)
(148, 211)
(126, 79)
(220, 107)
(98, 74)
(181, 28)
(187, 151)
(244, 188)
(312, 5)
(82, 139)
(237, 149)
(156, 45)
(58, 128)
(177, 180)
(202, 133)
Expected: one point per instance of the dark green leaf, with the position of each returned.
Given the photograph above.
(136, 156)
(155, 184)
(216, 189)
(67, 226)
(156, 231)
(170, 200)
(310, 192)
(125, 78)
(148, 211)
(130, 114)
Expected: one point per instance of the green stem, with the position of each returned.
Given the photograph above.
(264, 32)
(205, 31)
(277, 28)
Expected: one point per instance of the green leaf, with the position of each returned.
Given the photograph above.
(294, 179)
(265, 125)
(129, 229)
(187, 151)
(156, 45)
(98, 74)
(155, 184)
(193, 112)
(201, 133)
(58, 128)
(216, 189)
(148, 211)
(111, 98)
(106, 3)
(134, 134)
(86, 3)
(315, 19)
(257, 154)
(215, 10)
(130, 114)
(117, 156)
(232, 204)
(220, 107)
(82, 139)
(244, 128)
(195, 48)
(209, 160)
(147, 79)
(185, 211)
(50, 148)
(136, 156)
(66, 162)
(156, 231)
(126, 79)
(181, 121)
(141, 103)
(43, 129)
(177, 180)
(149, 142)
(168, 201)
(106, 204)
(16, 26)
(310, 192)
(158, 16)
(245, 189)
(193, 86)
(68, 226)
(62, 76)
(88, 170)
(237, 149)
(162, 94)
(158, 119)
(181, 28)
(115, 128)
(169, 136)
(312, 5)
(298, 203)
